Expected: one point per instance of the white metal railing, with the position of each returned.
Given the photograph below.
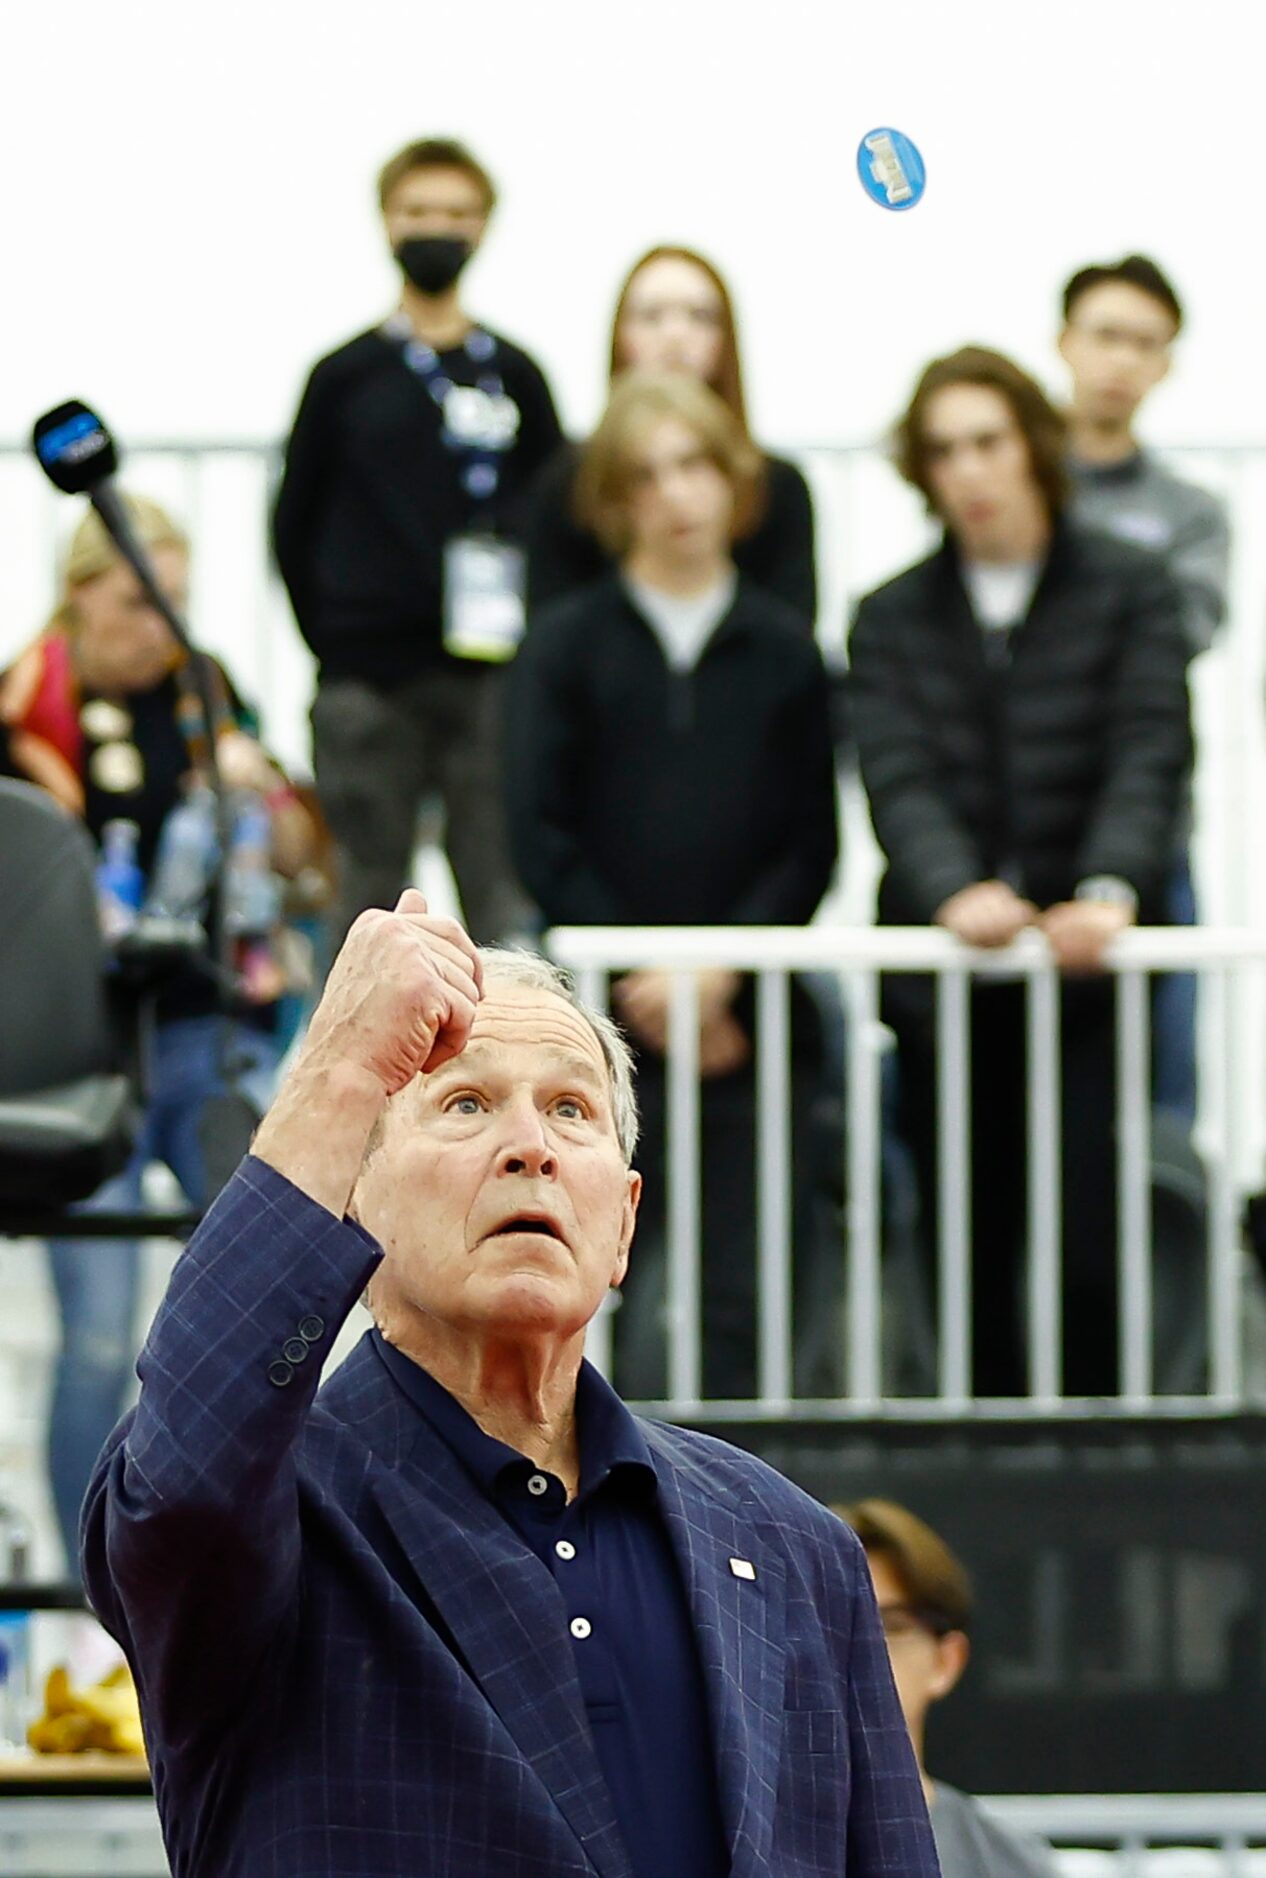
(1093, 1835)
(81, 1838)
(1145, 1835)
(857, 956)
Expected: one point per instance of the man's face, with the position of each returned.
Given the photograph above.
(979, 467)
(680, 503)
(435, 201)
(924, 1667)
(498, 1190)
(1117, 346)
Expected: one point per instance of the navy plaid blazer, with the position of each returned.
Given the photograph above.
(351, 1666)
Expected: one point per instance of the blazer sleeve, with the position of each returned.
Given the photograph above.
(190, 1539)
(296, 513)
(1148, 739)
(888, 1825)
(543, 750)
(930, 853)
(789, 890)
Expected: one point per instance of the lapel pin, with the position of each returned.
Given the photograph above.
(743, 1568)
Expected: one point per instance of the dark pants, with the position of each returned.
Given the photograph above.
(728, 1234)
(999, 1172)
(1174, 1010)
(378, 751)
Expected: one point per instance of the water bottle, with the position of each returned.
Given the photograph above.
(188, 849)
(120, 882)
(16, 1693)
(252, 892)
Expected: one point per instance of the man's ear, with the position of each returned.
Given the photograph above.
(1061, 344)
(632, 1196)
(952, 1652)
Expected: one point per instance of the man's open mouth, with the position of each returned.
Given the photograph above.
(529, 1222)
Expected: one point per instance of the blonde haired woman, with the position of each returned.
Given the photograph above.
(101, 712)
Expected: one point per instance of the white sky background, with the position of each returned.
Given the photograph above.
(189, 217)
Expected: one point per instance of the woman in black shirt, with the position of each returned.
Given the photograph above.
(674, 314)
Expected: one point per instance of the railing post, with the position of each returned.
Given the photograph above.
(775, 1185)
(864, 1189)
(684, 1365)
(1044, 1196)
(592, 988)
(953, 1133)
(1134, 1190)
(1226, 1379)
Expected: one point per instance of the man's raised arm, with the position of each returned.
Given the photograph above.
(191, 1537)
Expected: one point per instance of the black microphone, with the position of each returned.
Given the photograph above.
(74, 448)
(79, 457)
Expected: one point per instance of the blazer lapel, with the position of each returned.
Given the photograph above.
(740, 1630)
(503, 1611)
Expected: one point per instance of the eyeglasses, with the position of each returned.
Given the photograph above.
(1147, 345)
(903, 1621)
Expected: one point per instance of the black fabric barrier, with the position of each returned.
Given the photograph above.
(1120, 1575)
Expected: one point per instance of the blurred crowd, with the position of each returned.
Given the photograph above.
(599, 656)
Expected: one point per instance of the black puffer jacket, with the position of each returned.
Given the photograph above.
(1045, 756)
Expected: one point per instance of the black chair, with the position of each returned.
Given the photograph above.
(68, 1108)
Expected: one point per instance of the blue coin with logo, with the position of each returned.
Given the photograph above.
(891, 169)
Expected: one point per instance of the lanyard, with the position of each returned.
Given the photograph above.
(479, 422)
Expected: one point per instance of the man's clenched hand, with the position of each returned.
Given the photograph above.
(399, 1000)
(401, 995)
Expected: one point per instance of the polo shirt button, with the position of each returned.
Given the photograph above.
(565, 1549)
(581, 1627)
(312, 1329)
(280, 1374)
(537, 1485)
(294, 1349)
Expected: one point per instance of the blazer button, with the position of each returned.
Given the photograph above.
(312, 1329)
(280, 1375)
(294, 1349)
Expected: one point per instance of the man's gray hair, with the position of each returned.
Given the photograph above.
(534, 973)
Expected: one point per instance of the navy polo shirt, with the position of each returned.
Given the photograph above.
(625, 1604)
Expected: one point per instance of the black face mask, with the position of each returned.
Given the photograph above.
(432, 262)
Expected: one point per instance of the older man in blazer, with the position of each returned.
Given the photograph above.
(459, 1613)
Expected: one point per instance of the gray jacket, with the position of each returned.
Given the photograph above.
(971, 1844)
(1141, 500)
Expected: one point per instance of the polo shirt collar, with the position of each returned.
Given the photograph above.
(612, 1446)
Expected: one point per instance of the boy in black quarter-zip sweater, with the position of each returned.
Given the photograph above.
(669, 763)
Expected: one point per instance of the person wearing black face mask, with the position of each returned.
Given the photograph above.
(397, 531)
(432, 262)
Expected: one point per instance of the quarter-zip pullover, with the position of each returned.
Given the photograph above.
(640, 795)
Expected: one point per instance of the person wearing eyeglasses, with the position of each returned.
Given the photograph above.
(925, 1606)
(1121, 320)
